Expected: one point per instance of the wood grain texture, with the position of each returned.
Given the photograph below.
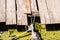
(21, 17)
(25, 6)
(2, 11)
(10, 12)
(33, 6)
(44, 16)
(54, 10)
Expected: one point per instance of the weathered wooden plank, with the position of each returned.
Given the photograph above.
(34, 7)
(54, 10)
(21, 17)
(25, 6)
(44, 16)
(10, 12)
(2, 11)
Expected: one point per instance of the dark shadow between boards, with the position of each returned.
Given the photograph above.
(37, 19)
(3, 27)
(53, 27)
(20, 28)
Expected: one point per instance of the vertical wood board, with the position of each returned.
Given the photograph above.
(54, 10)
(33, 6)
(44, 16)
(21, 17)
(10, 12)
(2, 11)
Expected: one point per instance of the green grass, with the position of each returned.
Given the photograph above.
(46, 35)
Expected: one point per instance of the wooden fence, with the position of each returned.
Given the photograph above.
(15, 11)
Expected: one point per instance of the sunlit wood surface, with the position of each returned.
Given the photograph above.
(15, 11)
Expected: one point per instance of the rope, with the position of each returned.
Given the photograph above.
(32, 21)
(19, 35)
